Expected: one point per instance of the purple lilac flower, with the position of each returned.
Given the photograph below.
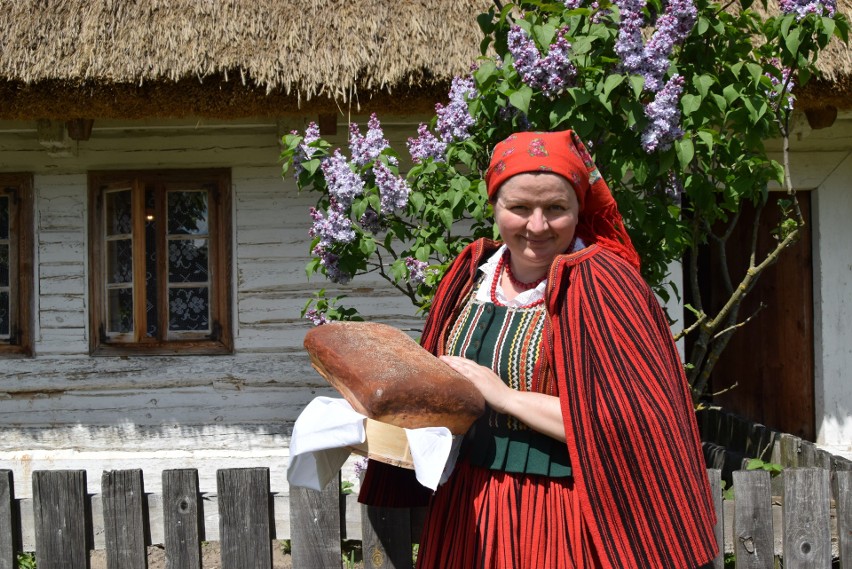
(317, 317)
(370, 221)
(785, 79)
(674, 188)
(344, 185)
(652, 61)
(801, 8)
(508, 113)
(305, 152)
(598, 13)
(672, 28)
(393, 189)
(416, 270)
(426, 145)
(334, 227)
(664, 115)
(454, 120)
(552, 73)
(572, 4)
(330, 261)
(367, 148)
(360, 466)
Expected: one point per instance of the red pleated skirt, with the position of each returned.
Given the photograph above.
(487, 519)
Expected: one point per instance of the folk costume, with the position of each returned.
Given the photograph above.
(628, 489)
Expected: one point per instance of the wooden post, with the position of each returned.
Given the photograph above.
(181, 519)
(315, 526)
(714, 476)
(59, 513)
(807, 535)
(791, 448)
(386, 537)
(7, 521)
(843, 499)
(124, 519)
(245, 511)
(753, 532)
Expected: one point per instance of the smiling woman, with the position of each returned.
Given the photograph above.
(587, 454)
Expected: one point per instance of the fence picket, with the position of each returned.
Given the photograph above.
(181, 519)
(124, 519)
(315, 526)
(61, 518)
(245, 514)
(714, 476)
(807, 535)
(753, 532)
(7, 527)
(843, 499)
(386, 537)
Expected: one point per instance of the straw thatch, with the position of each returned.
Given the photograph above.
(133, 58)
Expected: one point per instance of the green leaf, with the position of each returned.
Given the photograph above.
(794, 40)
(720, 102)
(638, 83)
(446, 216)
(707, 139)
(731, 93)
(703, 25)
(691, 103)
(485, 73)
(756, 71)
(685, 151)
(582, 45)
(367, 246)
(703, 84)
(611, 83)
(311, 166)
(520, 99)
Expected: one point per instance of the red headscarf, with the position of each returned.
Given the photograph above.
(563, 153)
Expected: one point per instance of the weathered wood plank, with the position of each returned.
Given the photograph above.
(181, 519)
(843, 500)
(315, 526)
(714, 476)
(7, 525)
(124, 519)
(60, 517)
(807, 535)
(386, 537)
(791, 448)
(753, 531)
(245, 514)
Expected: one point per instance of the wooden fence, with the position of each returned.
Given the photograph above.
(803, 524)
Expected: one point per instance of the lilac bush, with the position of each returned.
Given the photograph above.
(676, 124)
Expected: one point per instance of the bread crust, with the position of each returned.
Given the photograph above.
(387, 376)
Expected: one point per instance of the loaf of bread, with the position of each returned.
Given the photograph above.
(388, 377)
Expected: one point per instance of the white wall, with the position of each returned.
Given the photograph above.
(833, 309)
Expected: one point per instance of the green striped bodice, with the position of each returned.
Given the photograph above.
(507, 340)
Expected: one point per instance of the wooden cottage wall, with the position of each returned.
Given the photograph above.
(65, 408)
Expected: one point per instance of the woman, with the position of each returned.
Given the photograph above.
(589, 454)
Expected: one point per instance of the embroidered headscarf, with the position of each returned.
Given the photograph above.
(565, 154)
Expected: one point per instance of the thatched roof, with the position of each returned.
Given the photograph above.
(226, 58)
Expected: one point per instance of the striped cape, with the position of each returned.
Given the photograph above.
(629, 422)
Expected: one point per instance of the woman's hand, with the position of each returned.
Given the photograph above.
(538, 411)
(493, 390)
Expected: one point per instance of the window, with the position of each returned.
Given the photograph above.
(160, 262)
(16, 264)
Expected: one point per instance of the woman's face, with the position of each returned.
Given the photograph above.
(536, 214)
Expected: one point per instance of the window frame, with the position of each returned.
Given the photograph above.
(21, 256)
(220, 339)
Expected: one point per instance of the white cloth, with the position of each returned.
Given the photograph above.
(327, 426)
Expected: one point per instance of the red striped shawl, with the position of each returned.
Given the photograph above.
(629, 421)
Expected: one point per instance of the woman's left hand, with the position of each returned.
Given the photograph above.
(493, 390)
(539, 411)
